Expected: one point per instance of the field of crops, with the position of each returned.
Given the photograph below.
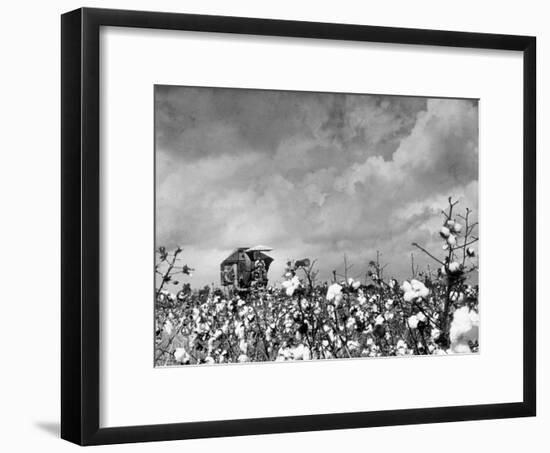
(435, 312)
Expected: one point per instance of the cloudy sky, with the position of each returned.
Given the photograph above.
(315, 175)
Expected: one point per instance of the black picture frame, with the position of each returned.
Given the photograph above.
(80, 188)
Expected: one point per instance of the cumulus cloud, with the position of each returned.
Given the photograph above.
(310, 174)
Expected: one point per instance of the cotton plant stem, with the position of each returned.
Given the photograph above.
(428, 253)
(167, 273)
(466, 232)
(425, 314)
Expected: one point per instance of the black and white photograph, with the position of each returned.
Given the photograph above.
(275, 226)
(308, 226)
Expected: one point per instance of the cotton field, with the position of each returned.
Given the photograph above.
(432, 312)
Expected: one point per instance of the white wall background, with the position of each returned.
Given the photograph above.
(29, 239)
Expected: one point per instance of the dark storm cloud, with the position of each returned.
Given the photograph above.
(310, 174)
(201, 120)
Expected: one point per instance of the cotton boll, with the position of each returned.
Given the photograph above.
(444, 232)
(414, 290)
(291, 285)
(457, 228)
(301, 352)
(333, 290)
(413, 322)
(181, 355)
(451, 240)
(464, 329)
(409, 293)
(454, 267)
(470, 252)
(421, 317)
(420, 288)
(355, 284)
(460, 348)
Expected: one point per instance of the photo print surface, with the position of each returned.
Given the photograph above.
(311, 226)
